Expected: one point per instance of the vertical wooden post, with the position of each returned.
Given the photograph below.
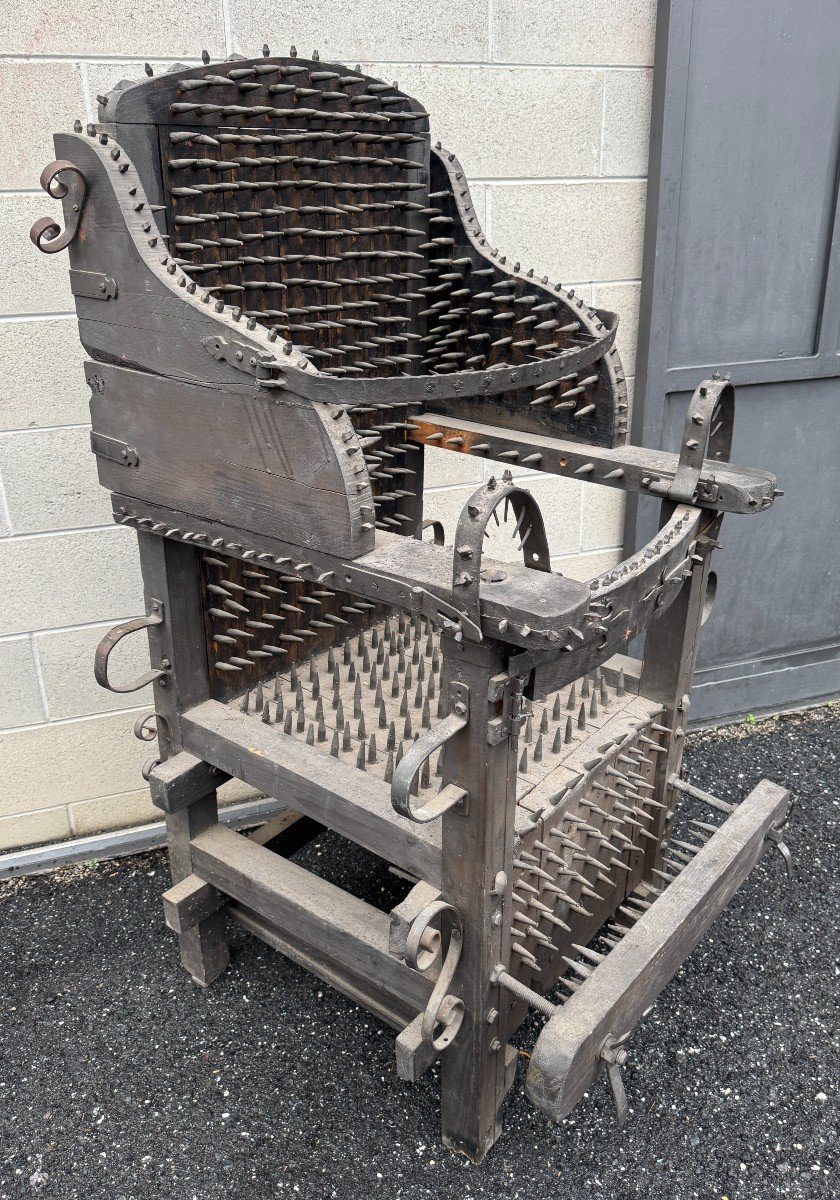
(170, 574)
(670, 649)
(476, 878)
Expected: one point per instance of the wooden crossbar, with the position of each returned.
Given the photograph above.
(331, 932)
(310, 781)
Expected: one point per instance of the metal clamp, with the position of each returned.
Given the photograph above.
(444, 1013)
(417, 754)
(615, 1056)
(707, 434)
(46, 232)
(438, 533)
(103, 651)
(469, 539)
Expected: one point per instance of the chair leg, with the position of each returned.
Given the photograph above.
(477, 873)
(204, 947)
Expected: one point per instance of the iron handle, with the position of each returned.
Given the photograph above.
(115, 635)
(417, 754)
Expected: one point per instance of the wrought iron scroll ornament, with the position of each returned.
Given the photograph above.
(444, 1013)
(59, 180)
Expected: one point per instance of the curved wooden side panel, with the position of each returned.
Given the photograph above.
(538, 320)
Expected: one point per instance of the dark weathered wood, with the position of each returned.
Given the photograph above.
(392, 1007)
(189, 902)
(667, 674)
(476, 878)
(322, 918)
(223, 451)
(287, 833)
(274, 274)
(330, 792)
(613, 1000)
(203, 946)
(170, 573)
(400, 571)
(181, 780)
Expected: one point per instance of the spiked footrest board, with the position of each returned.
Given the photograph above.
(614, 995)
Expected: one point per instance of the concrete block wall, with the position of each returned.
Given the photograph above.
(547, 105)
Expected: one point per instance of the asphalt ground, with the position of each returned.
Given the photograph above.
(120, 1079)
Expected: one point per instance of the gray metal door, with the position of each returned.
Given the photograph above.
(742, 275)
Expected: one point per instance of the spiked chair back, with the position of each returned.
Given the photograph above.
(286, 297)
(306, 200)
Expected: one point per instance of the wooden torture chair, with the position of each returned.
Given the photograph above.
(285, 296)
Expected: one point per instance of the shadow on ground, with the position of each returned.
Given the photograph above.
(119, 1079)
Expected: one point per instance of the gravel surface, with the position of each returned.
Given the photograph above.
(120, 1079)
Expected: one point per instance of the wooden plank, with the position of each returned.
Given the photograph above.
(170, 574)
(287, 832)
(221, 451)
(667, 674)
(333, 793)
(392, 570)
(191, 900)
(394, 1009)
(320, 917)
(566, 1058)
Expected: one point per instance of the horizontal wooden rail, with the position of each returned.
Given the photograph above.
(310, 781)
(320, 924)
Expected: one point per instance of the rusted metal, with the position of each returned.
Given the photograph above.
(301, 301)
(155, 616)
(62, 180)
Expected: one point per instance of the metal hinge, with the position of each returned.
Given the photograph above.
(93, 285)
(114, 450)
(508, 689)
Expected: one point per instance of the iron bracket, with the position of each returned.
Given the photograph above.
(707, 434)
(508, 689)
(239, 354)
(114, 450)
